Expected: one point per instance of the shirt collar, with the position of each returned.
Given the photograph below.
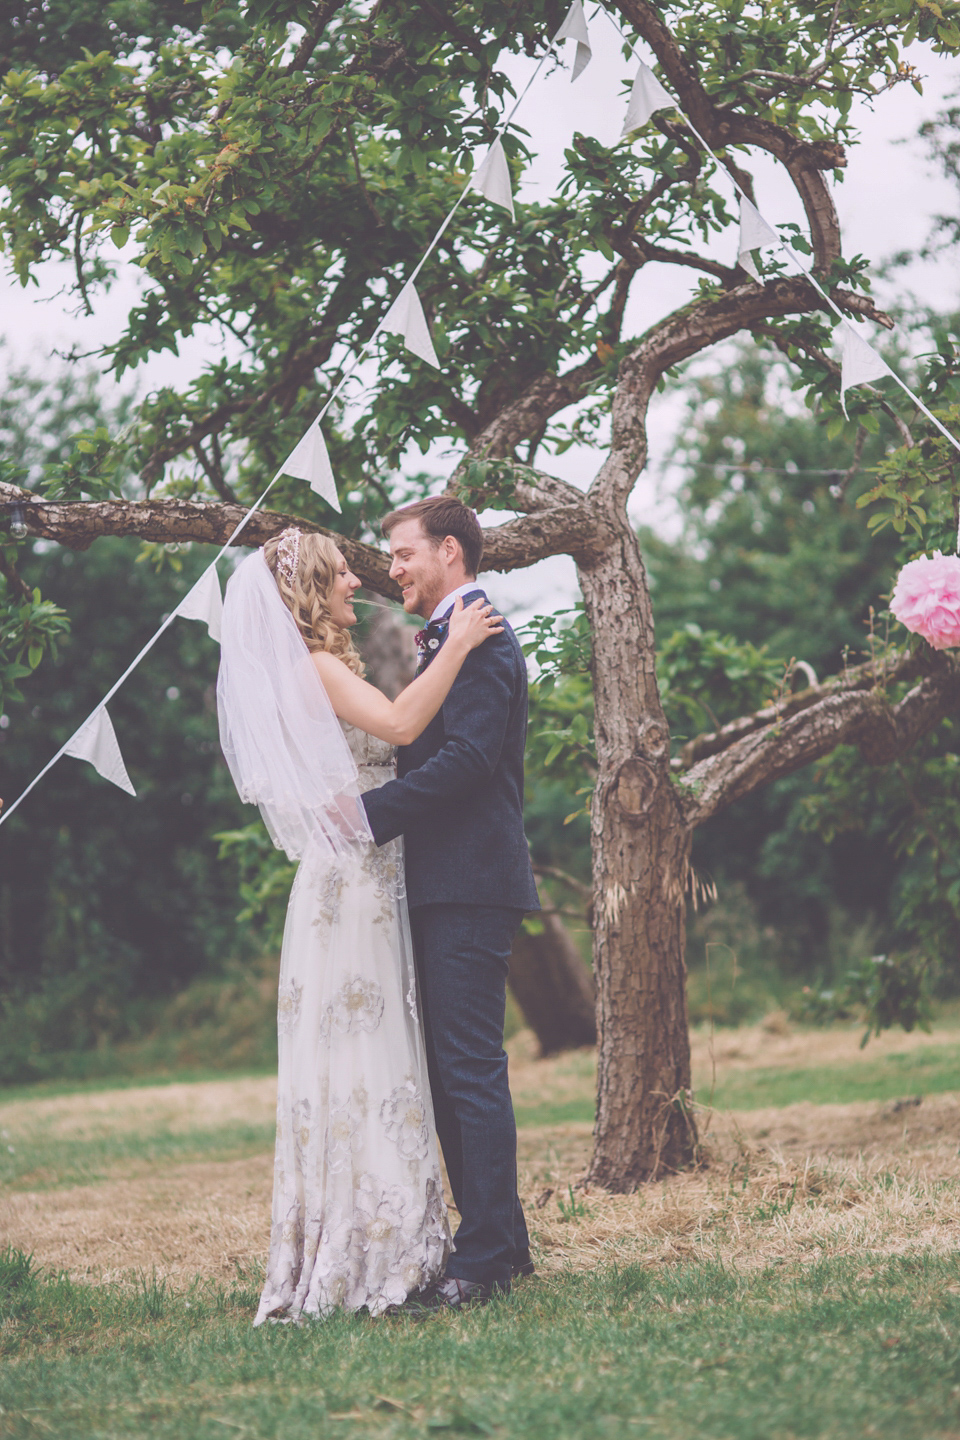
(447, 602)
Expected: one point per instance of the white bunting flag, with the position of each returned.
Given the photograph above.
(310, 462)
(204, 602)
(96, 741)
(646, 96)
(574, 27)
(492, 178)
(859, 363)
(755, 233)
(406, 318)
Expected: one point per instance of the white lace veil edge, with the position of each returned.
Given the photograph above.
(280, 736)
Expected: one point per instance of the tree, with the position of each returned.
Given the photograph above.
(275, 192)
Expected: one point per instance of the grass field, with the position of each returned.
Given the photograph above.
(804, 1282)
(843, 1347)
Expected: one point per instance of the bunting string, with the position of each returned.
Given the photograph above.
(858, 357)
(309, 459)
(95, 740)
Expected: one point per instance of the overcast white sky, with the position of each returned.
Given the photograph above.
(886, 202)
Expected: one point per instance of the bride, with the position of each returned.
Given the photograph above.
(358, 1211)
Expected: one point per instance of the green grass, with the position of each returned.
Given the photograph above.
(838, 1349)
(39, 1162)
(33, 1160)
(560, 1113)
(931, 1070)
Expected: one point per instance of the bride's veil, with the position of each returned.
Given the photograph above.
(282, 741)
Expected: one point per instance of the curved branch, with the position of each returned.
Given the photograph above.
(315, 26)
(865, 718)
(685, 333)
(547, 395)
(863, 677)
(566, 528)
(76, 524)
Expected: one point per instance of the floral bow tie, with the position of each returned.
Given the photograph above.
(428, 641)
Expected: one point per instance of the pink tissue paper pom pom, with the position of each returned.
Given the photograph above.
(926, 598)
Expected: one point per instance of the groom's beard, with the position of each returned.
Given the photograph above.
(422, 603)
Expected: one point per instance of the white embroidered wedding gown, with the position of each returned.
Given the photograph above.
(358, 1212)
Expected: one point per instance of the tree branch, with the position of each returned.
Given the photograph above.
(532, 490)
(685, 333)
(881, 730)
(367, 200)
(862, 677)
(566, 528)
(783, 344)
(13, 577)
(76, 524)
(78, 265)
(322, 15)
(550, 872)
(547, 395)
(213, 469)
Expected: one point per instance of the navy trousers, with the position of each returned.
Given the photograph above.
(462, 954)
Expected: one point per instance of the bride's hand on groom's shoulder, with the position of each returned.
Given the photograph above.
(470, 625)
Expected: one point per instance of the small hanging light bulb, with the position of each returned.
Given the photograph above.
(18, 525)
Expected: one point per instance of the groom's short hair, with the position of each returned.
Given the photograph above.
(439, 516)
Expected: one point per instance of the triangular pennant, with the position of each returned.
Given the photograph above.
(646, 96)
(574, 27)
(405, 317)
(754, 234)
(859, 363)
(204, 602)
(310, 462)
(96, 741)
(492, 178)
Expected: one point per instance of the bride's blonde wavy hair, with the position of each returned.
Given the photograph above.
(307, 595)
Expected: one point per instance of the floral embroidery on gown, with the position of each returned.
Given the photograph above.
(358, 1211)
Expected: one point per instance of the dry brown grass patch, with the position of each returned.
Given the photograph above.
(201, 1218)
(777, 1186)
(780, 1184)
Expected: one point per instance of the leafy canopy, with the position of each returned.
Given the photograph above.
(276, 170)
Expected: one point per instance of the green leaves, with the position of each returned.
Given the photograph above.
(707, 678)
(28, 631)
(917, 485)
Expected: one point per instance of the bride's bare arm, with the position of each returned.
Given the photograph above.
(400, 721)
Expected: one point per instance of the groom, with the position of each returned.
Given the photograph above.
(458, 802)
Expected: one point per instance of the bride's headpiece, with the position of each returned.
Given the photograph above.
(288, 555)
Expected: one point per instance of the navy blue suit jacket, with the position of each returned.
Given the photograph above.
(458, 796)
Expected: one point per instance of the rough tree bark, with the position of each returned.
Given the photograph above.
(641, 850)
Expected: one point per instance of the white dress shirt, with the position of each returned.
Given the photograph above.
(447, 602)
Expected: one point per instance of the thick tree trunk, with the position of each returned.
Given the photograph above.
(553, 987)
(641, 849)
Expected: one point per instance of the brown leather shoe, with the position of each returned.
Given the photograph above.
(450, 1294)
